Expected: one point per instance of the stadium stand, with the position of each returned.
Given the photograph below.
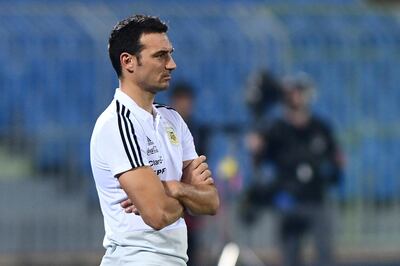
(55, 79)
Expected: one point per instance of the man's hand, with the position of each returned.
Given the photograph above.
(198, 195)
(197, 172)
(129, 207)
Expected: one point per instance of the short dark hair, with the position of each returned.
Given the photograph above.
(125, 37)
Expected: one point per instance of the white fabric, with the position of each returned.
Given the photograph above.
(159, 249)
(125, 137)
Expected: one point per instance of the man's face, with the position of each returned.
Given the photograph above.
(155, 63)
(296, 99)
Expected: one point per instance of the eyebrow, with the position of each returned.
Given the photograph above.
(164, 51)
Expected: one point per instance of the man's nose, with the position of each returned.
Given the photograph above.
(171, 65)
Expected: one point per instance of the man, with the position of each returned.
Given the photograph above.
(142, 154)
(306, 160)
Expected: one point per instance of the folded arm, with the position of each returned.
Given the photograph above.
(198, 199)
(196, 191)
(150, 199)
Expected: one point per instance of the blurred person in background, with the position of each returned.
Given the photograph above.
(182, 100)
(143, 158)
(304, 159)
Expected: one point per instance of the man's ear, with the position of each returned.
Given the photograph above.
(128, 62)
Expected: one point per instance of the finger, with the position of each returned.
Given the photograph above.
(208, 181)
(196, 162)
(201, 168)
(206, 174)
(134, 210)
(128, 210)
(126, 203)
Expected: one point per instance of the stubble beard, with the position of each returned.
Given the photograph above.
(156, 89)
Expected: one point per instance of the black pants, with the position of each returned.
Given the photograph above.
(307, 220)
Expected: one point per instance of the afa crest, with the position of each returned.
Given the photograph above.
(172, 135)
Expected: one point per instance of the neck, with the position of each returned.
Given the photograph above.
(141, 97)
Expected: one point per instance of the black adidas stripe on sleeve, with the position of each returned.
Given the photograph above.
(133, 150)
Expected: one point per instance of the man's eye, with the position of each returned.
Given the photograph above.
(162, 56)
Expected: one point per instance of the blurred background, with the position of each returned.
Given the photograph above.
(56, 78)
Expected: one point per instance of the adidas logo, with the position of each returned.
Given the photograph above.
(149, 141)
